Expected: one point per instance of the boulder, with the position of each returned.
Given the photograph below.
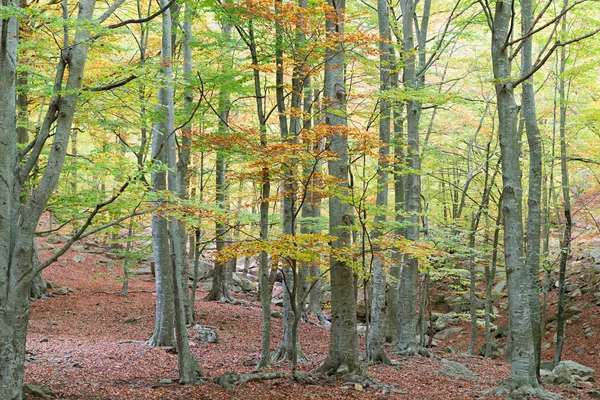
(62, 290)
(561, 375)
(448, 332)
(578, 369)
(206, 335)
(457, 370)
(595, 254)
(444, 320)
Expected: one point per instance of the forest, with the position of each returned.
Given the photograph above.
(243, 199)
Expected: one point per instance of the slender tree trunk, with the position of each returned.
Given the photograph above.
(219, 291)
(163, 326)
(535, 180)
(407, 315)
(490, 277)
(566, 240)
(265, 287)
(377, 331)
(183, 161)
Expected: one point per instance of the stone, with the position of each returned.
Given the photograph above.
(53, 240)
(165, 381)
(47, 246)
(575, 293)
(580, 350)
(276, 314)
(595, 254)
(577, 369)
(78, 259)
(457, 370)
(448, 332)
(444, 320)
(62, 290)
(561, 375)
(501, 331)
(594, 394)
(361, 330)
(206, 335)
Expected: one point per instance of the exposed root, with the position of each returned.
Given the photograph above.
(284, 354)
(231, 379)
(342, 371)
(414, 350)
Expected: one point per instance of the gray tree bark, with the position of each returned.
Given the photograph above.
(534, 197)
(377, 329)
(407, 315)
(342, 357)
(523, 374)
(566, 239)
(163, 325)
(18, 221)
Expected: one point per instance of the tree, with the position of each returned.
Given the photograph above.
(18, 221)
(342, 356)
(377, 332)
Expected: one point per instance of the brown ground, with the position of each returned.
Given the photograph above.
(76, 347)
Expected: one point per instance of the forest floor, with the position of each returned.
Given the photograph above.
(90, 344)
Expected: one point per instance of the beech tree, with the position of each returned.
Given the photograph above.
(18, 220)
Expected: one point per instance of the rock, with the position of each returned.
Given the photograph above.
(498, 289)
(577, 369)
(47, 246)
(446, 333)
(561, 375)
(575, 293)
(495, 346)
(549, 365)
(443, 320)
(595, 254)
(105, 261)
(361, 311)
(165, 381)
(589, 335)
(78, 259)
(501, 331)
(206, 335)
(594, 394)
(38, 391)
(358, 387)
(546, 346)
(277, 302)
(143, 271)
(62, 290)
(276, 314)
(361, 329)
(53, 240)
(580, 350)
(454, 369)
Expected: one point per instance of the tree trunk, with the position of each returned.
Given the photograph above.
(163, 326)
(566, 239)
(377, 330)
(265, 287)
(219, 291)
(343, 348)
(407, 315)
(535, 180)
(19, 221)
(523, 374)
